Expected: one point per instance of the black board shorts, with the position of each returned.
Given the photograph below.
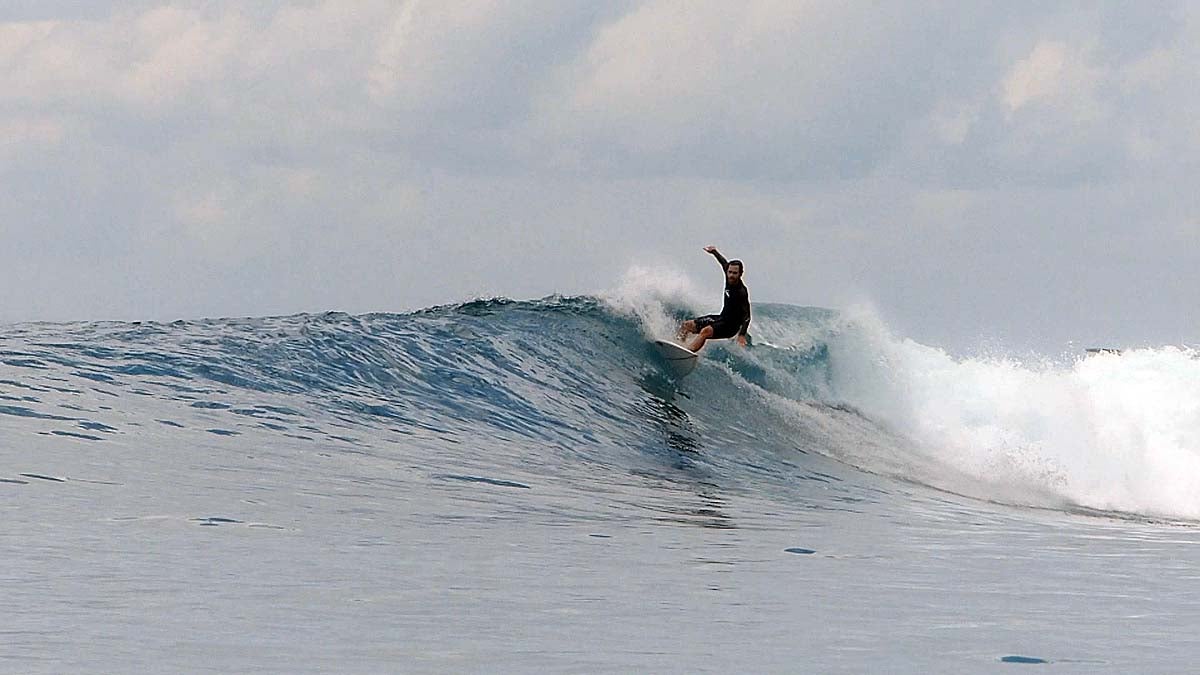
(721, 329)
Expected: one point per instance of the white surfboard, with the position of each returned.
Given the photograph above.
(680, 360)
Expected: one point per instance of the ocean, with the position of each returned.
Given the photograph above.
(520, 486)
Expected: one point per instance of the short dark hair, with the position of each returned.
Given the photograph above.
(741, 267)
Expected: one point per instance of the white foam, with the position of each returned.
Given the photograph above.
(1111, 432)
(650, 295)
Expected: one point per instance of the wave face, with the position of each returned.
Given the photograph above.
(495, 390)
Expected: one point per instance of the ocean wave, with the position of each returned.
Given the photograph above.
(564, 385)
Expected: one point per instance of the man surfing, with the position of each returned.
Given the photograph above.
(734, 318)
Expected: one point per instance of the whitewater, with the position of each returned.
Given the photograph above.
(520, 486)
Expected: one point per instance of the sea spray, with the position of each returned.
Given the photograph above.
(1109, 432)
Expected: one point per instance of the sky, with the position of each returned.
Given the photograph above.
(1007, 174)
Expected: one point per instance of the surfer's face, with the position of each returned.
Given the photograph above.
(733, 274)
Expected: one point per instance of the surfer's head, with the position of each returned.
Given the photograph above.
(733, 271)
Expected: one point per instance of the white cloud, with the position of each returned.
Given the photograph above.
(718, 87)
(1036, 77)
(1153, 71)
(16, 37)
(392, 58)
(1056, 74)
(430, 53)
(175, 51)
(952, 121)
(18, 134)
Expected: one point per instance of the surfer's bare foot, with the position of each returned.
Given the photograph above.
(686, 328)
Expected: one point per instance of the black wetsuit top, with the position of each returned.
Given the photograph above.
(735, 311)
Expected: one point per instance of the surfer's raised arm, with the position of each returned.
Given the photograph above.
(717, 254)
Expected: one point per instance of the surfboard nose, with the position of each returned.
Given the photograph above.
(680, 361)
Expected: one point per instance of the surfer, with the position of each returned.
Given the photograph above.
(734, 318)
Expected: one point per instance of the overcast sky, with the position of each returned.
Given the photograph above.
(1017, 173)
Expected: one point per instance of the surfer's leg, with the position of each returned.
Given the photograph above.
(696, 325)
(705, 333)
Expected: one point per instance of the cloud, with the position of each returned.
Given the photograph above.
(763, 89)
(25, 133)
(1065, 100)
(1051, 72)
